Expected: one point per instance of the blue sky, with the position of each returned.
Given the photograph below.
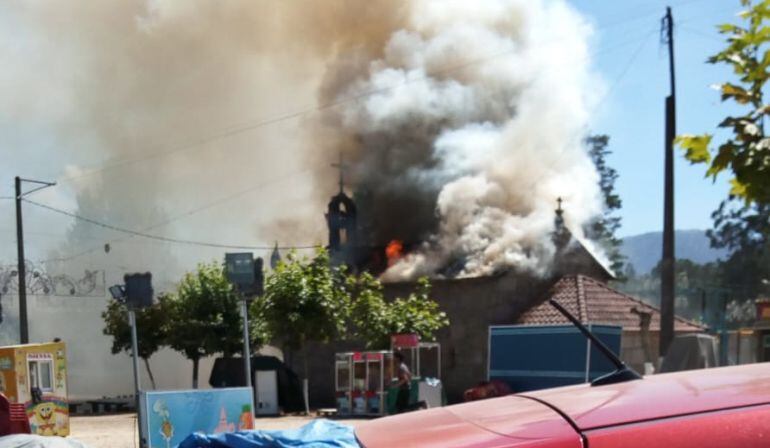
(634, 65)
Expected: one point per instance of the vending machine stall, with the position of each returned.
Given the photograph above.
(360, 382)
(364, 381)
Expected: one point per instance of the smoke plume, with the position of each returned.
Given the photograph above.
(465, 130)
(461, 123)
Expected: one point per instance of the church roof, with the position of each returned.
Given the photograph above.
(593, 302)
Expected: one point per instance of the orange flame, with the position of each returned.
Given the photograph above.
(394, 251)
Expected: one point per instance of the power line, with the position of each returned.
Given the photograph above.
(241, 128)
(608, 93)
(700, 33)
(159, 237)
(189, 213)
(626, 68)
(134, 233)
(290, 116)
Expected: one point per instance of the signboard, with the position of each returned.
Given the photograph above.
(529, 357)
(405, 340)
(239, 268)
(171, 416)
(39, 356)
(138, 290)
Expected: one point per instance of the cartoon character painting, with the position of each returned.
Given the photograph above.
(247, 418)
(44, 419)
(166, 428)
(223, 425)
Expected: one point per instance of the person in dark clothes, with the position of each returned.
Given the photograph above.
(404, 384)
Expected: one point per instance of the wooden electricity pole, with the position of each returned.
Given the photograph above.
(667, 276)
(21, 269)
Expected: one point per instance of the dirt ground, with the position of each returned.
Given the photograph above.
(119, 431)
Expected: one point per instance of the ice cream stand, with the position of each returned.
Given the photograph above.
(36, 375)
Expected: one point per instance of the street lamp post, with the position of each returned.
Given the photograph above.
(245, 274)
(22, 268)
(135, 294)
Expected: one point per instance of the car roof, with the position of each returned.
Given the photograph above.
(660, 396)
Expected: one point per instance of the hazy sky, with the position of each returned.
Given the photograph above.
(634, 64)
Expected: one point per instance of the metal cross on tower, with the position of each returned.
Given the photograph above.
(342, 167)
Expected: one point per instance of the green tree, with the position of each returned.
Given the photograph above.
(151, 326)
(305, 300)
(374, 320)
(370, 315)
(204, 316)
(742, 221)
(745, 232)
(746, 153)
(604, 228)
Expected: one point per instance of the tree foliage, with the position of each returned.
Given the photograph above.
(151, 326)
(742, 221)
(745, 231)
(204, 316)
(374, 319)
(604, 228)
(310, 300)
(746, 153)
(305, 300)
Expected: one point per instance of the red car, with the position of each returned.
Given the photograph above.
(721, 407)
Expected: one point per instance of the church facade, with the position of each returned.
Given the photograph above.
(471, 304)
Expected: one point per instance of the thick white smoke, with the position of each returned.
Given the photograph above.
(495, 96)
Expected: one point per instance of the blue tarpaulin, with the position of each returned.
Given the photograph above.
(316, 434)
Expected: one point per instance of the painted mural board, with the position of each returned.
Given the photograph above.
(170, 416)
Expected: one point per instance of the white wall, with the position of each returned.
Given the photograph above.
(93, 371)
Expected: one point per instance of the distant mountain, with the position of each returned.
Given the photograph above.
(644, 251)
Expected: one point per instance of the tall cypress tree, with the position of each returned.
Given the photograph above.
(603, 228)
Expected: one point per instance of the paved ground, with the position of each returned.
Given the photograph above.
(119, 431)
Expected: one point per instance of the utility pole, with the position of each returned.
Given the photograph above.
(21, 269)
(246, 348)
(137, 384)
(667, 276)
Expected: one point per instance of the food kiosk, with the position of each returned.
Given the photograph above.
(424, 361)
(36, 375)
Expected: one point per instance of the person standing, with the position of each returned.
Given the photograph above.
(404, 384)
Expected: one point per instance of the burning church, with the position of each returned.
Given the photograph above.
(472, 303)
(576, 278)
(457, 167)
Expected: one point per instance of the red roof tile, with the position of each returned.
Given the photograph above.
(592, 301)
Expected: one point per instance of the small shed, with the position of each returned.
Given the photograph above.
(228, 372)
(594, 302)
